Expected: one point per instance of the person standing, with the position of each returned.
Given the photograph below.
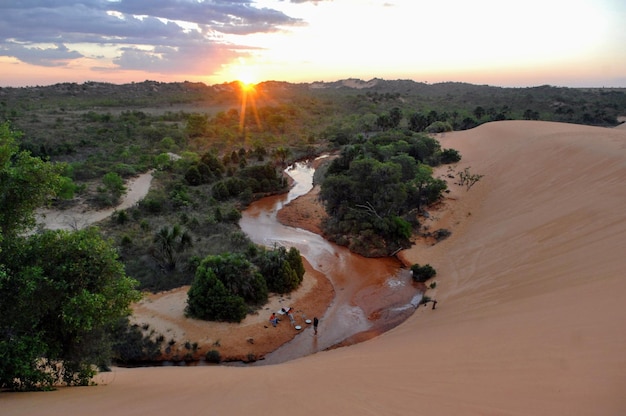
(315, 323)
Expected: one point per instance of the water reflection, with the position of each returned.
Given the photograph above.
(371, 295)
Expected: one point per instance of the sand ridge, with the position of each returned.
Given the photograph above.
(530, 319)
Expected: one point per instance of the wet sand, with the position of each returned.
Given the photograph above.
(530, 319)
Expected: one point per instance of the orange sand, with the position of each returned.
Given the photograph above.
(530, 319)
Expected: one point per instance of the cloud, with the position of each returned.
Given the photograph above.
(307, 1)
(56, 56)
(224, 16)
(163, 35)
(196, 59)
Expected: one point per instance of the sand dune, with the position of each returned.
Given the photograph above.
(530, 319)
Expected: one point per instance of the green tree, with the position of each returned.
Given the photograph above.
(479, 112)
(61, 293)
(209, 299)
(113, 186)
(26, 182)
(197, 125)
(283, 270)
(428, 189)
(395, 116)
(418, 122)
(169, 243)
(281, 154)
(239, 276)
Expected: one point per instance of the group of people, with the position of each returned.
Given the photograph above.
(274, 320)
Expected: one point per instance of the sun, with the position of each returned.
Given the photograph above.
(247, 82)
(246, 78)
(246, 86)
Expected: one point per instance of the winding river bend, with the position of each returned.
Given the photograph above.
(371, 295)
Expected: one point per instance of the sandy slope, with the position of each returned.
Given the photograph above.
(530, 319)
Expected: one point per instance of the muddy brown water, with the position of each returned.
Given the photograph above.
(371, 295)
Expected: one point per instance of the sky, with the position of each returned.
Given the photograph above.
(574, 43)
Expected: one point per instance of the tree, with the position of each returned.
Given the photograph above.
(479, 112)
(239, 276)
(283, 270)
(281, 154)
(60, 291)
(61, 294)
(168, 244)
(197, 125)
(26, 182)
(418, 122)
(209, 299)
(113, 186)
(395, 116)
(429, 189)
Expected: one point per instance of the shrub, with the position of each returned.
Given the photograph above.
(121, 217)
(442, 234)
(422, 273)
(439, 127)
(130, 345)
(283, 270)
(209, 299)
(450, 156)
(213, 356)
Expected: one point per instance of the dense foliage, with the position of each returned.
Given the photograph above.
(374, 190)
(422, 273)
(60, 292)
(210, 160)
(226, 285)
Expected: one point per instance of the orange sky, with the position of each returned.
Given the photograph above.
(556, 42)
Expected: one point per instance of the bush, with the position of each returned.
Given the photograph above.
(450, 156)
(213, 356)
(209, 299)
(439, 127)
(283, 270)
(422, 273)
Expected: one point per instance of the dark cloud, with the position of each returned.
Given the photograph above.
(132, 24)
(197, 59)
(225, 16)
(57, 56)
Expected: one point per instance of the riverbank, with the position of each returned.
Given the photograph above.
(530, 319)
(163, 314)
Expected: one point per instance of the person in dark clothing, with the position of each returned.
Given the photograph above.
(315, 323)
(434, 304)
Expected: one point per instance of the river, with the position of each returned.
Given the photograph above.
(371, 295)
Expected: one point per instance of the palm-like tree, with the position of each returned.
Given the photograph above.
(168, 244)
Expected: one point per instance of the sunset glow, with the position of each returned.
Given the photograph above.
(556, 42)
(248, 97)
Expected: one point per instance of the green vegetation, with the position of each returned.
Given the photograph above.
(226, 286)
(422, 273)
(374, 191)
(60, 292)
(80, 142)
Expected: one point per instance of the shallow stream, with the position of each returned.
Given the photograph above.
(371, 295)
